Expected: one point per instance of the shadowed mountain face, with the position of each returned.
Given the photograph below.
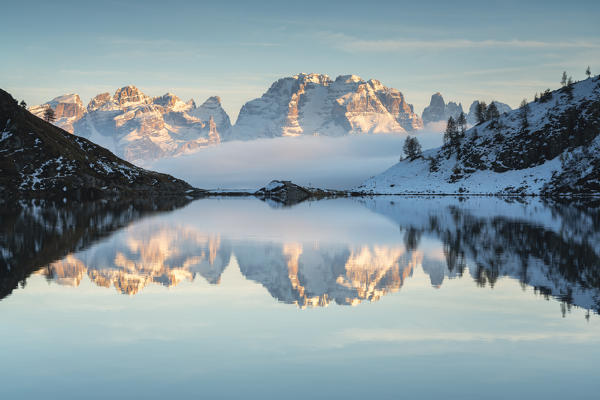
(551, 247)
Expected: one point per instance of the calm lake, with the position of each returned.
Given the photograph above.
(353, 298)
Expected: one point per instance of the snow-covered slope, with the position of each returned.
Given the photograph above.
(139, 127)
(313, 104)
(550, 147)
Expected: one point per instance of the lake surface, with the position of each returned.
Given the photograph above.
(387, 297)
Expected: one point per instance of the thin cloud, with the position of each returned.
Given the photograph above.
(353, 44)
(260, 44)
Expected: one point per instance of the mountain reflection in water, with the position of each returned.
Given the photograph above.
(553, 247)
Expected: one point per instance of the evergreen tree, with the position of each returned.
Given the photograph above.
(481, 112)
(492, 113)
(461, 121)
(451, 132)
(588, 72)
(569, 88)
(412, 148)
(23, 104)
(523, 111)
(49, 115)
(563, 80)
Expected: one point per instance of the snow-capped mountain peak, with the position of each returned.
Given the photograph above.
(313, 104)
(129, 96)
(68, 108)
(212, 108)
(140, 127)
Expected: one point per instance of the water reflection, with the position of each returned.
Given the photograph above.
(37, 233)
(550, 246)
(142, 255)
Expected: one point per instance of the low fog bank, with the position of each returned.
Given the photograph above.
(326, 162)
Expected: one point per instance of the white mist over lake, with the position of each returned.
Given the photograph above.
(320, 161)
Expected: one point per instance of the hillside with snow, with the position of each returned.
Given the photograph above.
(550, 146)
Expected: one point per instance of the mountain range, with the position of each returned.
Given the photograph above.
(139, 127)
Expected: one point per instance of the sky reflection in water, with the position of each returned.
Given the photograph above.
(227, 298)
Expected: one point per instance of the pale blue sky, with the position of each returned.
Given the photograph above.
(464, 49)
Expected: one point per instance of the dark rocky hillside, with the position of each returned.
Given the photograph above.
(37, 159)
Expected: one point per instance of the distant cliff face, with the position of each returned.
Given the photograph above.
(212, 108)
(139, 127)
(313, 104)
(67, 109)
(438, 110)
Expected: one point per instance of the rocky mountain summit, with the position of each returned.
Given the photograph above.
(547, 147)
(314, 104)
(438, 110)
(139, 127)
(39, 159)
(67, 108)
